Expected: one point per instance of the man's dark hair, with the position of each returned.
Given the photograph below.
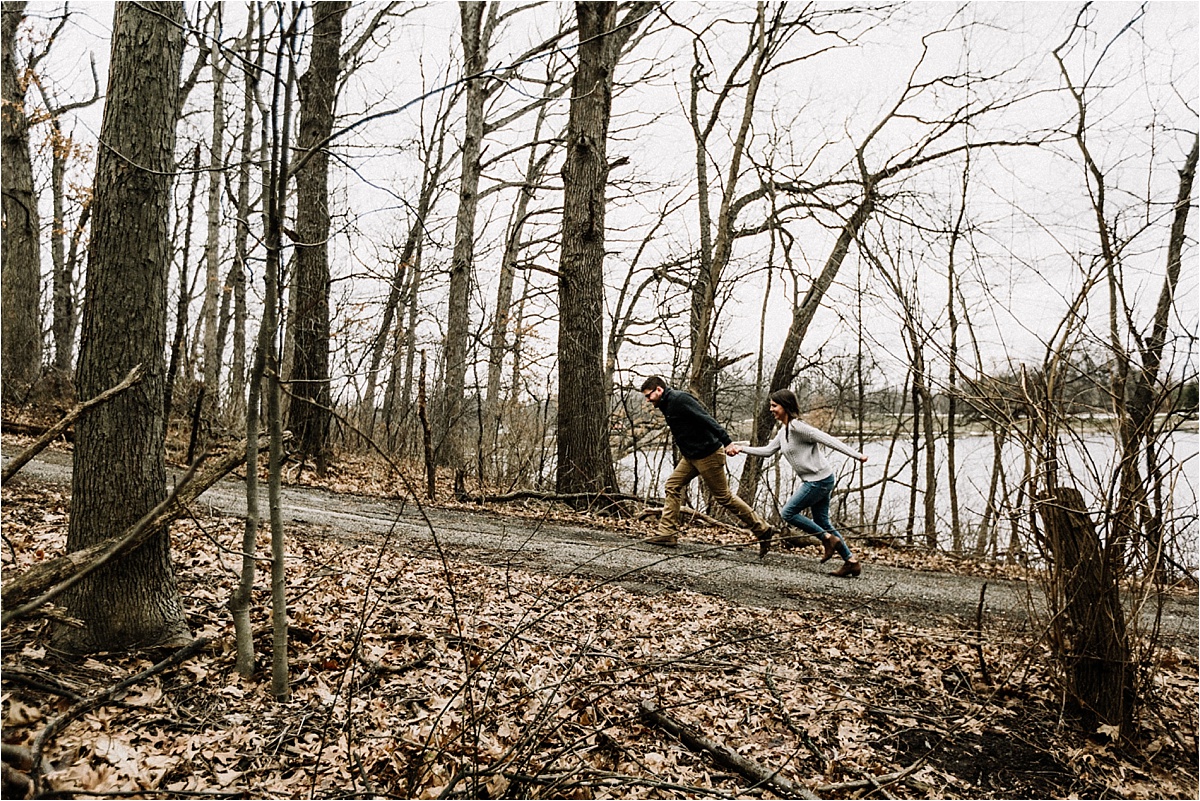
(653, 382)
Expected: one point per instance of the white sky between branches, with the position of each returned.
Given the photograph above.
(1030, 205)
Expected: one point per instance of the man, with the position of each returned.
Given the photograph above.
(702, 443)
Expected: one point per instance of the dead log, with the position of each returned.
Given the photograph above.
(725, 756)
(40, 680)
(32, 429)
(56, 430)
(689, 515)
(13, 783)
(604, 501)
(45, 581)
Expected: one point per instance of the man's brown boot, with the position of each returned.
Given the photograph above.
(848, 570)
(764, 541)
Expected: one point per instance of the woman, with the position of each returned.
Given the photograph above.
(801, 446)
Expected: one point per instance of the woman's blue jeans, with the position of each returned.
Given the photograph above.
(814, 495)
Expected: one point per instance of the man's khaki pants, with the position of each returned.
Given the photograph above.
(711, 470)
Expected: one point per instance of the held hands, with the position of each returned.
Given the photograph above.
(863, 459)
(732, 449)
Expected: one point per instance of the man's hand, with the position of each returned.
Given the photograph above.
(732, 449)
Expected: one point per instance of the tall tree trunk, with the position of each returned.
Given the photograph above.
(212, 245)
(119, 466)
(65, 259)
(400, 278)
(279, 115)
(454, 349)
(917, 369)
(309, 416)
(501, 325)
(952, 292)
(1146, 394)
(241, 249)
(20, 265)
(584, 459)
(930, 497)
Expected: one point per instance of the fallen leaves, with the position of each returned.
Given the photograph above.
(417, 676)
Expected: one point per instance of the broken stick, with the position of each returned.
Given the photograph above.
(56, 430)
(726, 756)
(47, 579)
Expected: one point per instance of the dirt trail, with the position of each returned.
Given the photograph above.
(787, 580)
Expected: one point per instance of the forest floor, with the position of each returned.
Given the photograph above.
(523, 650)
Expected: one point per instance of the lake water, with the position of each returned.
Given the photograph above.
(1090, 461)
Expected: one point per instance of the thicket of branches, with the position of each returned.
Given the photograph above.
(471, 260)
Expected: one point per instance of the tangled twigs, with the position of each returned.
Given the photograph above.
(54, 727)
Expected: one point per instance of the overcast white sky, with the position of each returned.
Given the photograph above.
(1034, 225)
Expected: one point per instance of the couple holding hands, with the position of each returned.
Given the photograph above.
(704, 444)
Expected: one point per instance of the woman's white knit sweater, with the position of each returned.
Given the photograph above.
(800, 444)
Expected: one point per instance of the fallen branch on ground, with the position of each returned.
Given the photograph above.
(62, 425)
(48, 579)
(754, 771)
(604, 501)
(690, 515)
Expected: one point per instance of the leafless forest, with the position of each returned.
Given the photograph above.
(430, 251)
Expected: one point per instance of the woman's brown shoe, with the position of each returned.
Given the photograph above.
(848, 570)
(831, 543)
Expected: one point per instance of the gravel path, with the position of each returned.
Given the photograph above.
(785, 580)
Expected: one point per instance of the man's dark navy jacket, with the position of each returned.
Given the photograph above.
(696, 433)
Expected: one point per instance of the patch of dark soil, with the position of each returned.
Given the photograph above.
(997, 763)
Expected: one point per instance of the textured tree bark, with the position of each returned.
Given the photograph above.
(1092, 629)
(584, 459)
(119, 466)
(309, 416)
(475, 53)
(212, 249)
(20, 266)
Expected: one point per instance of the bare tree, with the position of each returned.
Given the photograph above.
(309, 414)
(502, 324)
(475, 41)
(872, 180)
(584, 460)
(120, 472)
(20, 271)
(64, 243)
(767, 38)
(212, 242)
(1095, 637)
